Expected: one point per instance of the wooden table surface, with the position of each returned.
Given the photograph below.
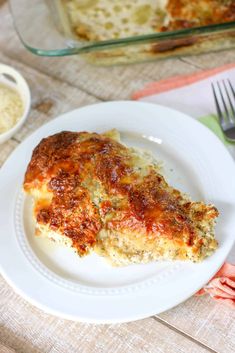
(58, 85)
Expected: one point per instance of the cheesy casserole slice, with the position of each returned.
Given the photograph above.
(93, 193)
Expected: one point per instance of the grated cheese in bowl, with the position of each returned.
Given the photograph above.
(11, 107)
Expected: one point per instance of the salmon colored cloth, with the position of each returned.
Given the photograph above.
(222, 286)
(178, 81)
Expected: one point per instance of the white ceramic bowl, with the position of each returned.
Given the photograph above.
(14, 79)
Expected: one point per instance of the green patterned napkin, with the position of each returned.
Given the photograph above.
(212, 123)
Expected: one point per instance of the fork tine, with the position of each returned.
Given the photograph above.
(222, 98)
(232, 89)
(219, 112)
(232, 116)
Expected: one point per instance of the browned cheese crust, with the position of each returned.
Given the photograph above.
(196, 13)
(86, 182)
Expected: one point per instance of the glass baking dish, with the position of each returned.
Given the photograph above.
(43, 29)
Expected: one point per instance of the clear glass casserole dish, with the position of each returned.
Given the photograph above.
(124, 31)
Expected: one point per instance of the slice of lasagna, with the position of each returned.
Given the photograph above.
(93, 193)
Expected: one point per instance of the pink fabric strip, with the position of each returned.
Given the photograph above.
(178, 81)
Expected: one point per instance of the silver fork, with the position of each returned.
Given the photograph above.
(224, 95)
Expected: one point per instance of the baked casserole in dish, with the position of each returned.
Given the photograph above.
(124, 31)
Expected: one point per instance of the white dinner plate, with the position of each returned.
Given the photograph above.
(89, 289)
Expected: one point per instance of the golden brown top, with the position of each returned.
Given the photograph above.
(195, 13)
(84, 182)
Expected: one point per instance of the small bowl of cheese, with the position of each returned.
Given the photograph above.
(14, 101)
